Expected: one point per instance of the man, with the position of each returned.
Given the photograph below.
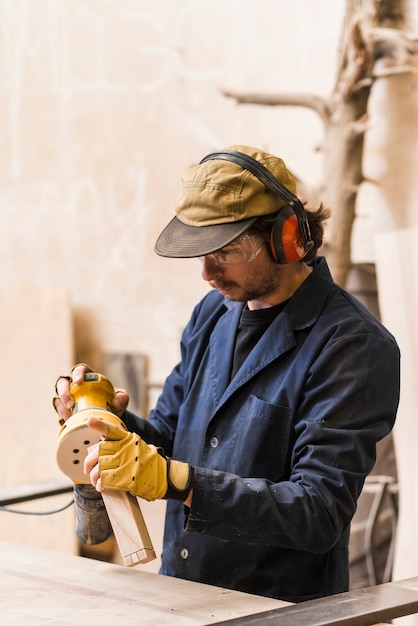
(265, 431)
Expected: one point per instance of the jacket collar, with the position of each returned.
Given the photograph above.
(301, 312)
(307, 302)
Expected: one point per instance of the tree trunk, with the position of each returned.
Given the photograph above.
(371, 32)
(368, 35)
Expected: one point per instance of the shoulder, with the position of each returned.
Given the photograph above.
(349, 314)
(331, 309)
(213, 303)
(206, 312)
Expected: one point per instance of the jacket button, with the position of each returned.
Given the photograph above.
(214, 442)
(184, 553)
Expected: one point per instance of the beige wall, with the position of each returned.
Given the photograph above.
(103, 105)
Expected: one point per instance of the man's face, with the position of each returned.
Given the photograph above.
(243, 271)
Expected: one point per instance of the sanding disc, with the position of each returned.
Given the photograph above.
(73, 449)
(76, 437)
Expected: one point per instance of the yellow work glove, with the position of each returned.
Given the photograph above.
(127, 463)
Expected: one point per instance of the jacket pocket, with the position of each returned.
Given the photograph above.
(260, 440)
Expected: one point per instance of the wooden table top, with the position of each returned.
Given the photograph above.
(44, 587)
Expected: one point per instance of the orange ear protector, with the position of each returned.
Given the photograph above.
(290, 237)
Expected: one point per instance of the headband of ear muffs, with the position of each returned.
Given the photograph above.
(290, 237)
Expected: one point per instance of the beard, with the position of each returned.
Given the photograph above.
(253, 287)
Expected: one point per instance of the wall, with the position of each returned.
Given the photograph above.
(104, 104)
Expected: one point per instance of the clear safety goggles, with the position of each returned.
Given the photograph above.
(243, 250)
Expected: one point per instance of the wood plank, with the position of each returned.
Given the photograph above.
(43, 587)
(362, 607)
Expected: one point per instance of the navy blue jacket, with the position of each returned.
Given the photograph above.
(281, 451)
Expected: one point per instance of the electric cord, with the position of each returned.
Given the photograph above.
(8, 509)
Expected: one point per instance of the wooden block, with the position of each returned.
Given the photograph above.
(130, 371)
(129, 527)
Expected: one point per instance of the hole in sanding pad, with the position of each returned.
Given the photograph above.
(73, 449)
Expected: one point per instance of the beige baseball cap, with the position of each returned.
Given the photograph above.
(220, 200)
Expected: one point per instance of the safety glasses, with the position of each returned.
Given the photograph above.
(243, 250)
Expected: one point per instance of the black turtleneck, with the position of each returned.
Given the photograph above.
(251, 327)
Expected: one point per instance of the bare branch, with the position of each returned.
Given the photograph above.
(358, 127)
(309, 101)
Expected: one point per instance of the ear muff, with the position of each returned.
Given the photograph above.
(285, 239)
(290, 238)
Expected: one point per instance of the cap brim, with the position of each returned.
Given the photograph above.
(181, 241)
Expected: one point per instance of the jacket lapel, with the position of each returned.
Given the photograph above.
(278, 339)
(221, 346)
(302, 312)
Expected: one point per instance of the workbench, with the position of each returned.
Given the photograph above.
(43, 587)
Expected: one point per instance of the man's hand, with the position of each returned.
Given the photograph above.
(64, 401)
(123, 461)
